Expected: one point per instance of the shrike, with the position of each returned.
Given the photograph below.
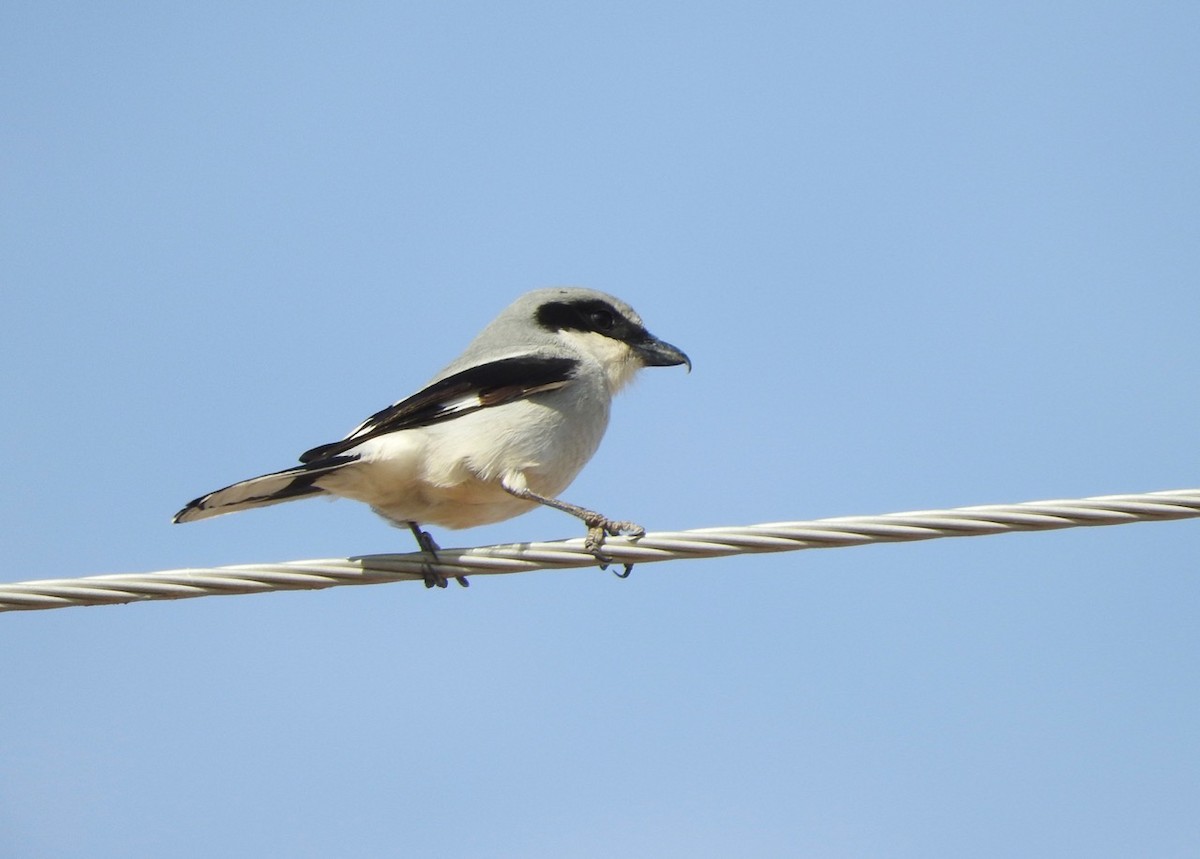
(502, 429)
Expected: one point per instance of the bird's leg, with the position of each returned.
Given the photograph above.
(428, 544)
(599, 526)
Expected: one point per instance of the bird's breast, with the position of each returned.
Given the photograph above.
(548, 438)
(449, 473)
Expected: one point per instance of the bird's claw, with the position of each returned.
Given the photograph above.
(599, 528)
(436, 579)
(433, 577)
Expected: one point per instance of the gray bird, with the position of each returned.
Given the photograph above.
(505, 427)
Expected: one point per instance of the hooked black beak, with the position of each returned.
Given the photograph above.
(659, 353)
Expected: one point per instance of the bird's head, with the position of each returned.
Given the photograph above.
(605, 328)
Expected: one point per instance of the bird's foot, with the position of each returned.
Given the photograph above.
(433, 577)
(600, 527)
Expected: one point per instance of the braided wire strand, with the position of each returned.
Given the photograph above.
(565, 554)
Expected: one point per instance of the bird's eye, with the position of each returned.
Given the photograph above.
(602, 320)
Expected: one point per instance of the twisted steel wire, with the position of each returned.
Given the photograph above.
(656, 546)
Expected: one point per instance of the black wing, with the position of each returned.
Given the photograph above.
(467, 391)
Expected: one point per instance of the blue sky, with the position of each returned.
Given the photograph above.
(922, 255)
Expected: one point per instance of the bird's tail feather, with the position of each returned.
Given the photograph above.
(262, 491)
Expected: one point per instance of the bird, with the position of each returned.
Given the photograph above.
(502, 429)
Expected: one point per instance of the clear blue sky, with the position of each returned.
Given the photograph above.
(922, 255)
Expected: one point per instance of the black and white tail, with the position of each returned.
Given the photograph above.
(263, 491)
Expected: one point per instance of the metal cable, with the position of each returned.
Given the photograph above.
(656, 546)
